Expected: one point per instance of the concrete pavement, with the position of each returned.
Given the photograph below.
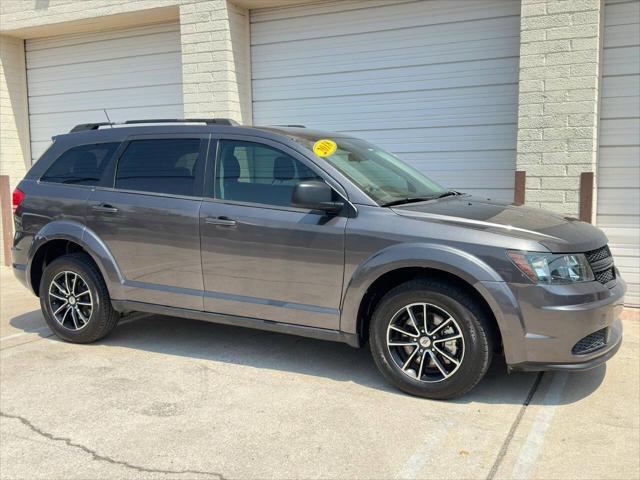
(165, 398)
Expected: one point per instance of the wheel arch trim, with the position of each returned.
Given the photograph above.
(78, 233)
(469, 268)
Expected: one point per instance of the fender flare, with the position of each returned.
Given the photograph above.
(78, 233)
(454, 261)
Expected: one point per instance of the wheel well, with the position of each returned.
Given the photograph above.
(392, 279)
(46, 254)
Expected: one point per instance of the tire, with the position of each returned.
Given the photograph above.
(473, 348)
(80, 324)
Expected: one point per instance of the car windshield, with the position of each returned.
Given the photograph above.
(380, 174)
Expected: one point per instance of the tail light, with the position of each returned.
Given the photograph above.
(18, 197)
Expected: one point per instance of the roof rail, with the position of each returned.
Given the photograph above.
(293, 125)
(209, 121)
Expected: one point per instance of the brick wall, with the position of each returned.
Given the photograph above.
(215, 57)
(216, 68)
(559, 76)
(558, 100)
(14, 122)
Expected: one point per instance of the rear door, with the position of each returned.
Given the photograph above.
(149, 218)
(261, 257)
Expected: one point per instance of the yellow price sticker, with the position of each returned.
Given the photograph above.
(325, 147)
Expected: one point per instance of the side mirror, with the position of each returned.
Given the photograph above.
(315, 195)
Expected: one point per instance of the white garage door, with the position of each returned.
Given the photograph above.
(433, 81)
(619, 156)
(132, 73)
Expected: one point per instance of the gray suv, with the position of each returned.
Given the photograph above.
(312, 233)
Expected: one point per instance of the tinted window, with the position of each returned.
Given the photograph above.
(162, 166)
(81, 165)
(256, 173)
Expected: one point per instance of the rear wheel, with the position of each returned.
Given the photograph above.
(75, 301)
(430, 339)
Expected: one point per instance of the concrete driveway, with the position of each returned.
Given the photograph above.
(167, 398)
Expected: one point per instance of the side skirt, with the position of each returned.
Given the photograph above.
(247, 322)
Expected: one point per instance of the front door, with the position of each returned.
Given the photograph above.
(262, 258)
(149, 220)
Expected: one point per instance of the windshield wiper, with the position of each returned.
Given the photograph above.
(402, 201)
(448, 194)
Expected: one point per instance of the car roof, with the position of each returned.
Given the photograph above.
(102, 132)
(114, 131)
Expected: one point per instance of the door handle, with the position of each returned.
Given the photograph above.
(104, 208)
(220, 221)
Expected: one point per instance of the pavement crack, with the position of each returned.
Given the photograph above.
(103, 458)
(514, 426)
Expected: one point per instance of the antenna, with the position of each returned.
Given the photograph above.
(107, 115)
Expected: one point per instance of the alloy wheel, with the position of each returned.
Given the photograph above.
(425, 342)
(70, 300)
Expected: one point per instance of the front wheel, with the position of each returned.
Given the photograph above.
(75, 301)
(431, 339)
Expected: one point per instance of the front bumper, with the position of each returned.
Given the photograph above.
(554, 318)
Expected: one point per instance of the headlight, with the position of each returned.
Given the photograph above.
(551, 268)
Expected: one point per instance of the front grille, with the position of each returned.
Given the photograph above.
(599, 254)
(591, 343)
(605, 276)
(601, 263)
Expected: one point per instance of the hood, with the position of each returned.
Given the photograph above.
(557, 233)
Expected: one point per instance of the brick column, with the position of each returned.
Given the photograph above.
(216, 68)
(558, 100)
(15, 151)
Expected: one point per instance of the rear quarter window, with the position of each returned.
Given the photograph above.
(81, 165)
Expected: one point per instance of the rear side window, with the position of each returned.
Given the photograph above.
(160, 166)
(81, 165)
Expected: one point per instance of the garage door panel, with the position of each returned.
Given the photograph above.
(622, 12)
(422, 79)
(150, 44)
(133, 73)
(419, 41)
(318, 8)
(373, 120)
(622, 35)
(620, 86)
(411, 79)
(621, 61)
(459, 52)
(109, 99)
(122, 72)
(619, 107)
(394, 16)
(613, 157)
(613, 201)
(44, 43)
(45, 126)
(463, 161)
(619, 131)
(619, 177)
(428, 102)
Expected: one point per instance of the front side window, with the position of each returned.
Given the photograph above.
(256, 173)
(81, 165)
(160, 166)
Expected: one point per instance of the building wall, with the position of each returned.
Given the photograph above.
(558, 88)
(559, 94)
(15, 152)
(215, 60)
(215, 57)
